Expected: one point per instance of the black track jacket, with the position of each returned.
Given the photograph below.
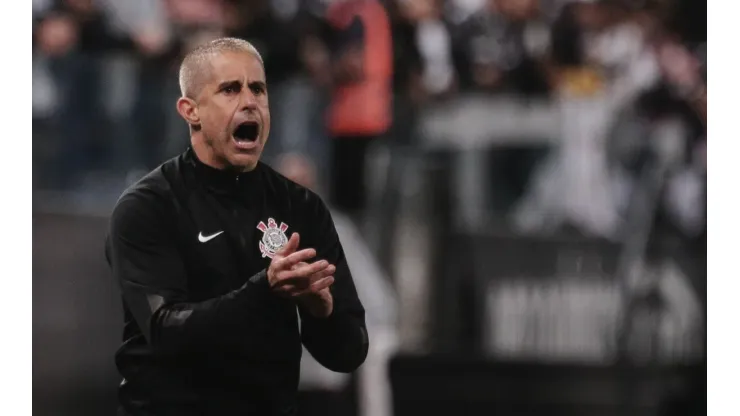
(189, 246)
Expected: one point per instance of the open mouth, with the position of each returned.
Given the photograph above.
(247, 132)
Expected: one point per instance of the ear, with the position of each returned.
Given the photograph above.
(188, 111)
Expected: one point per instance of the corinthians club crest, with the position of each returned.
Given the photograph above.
(274, 237)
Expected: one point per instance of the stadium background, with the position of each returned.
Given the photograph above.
(530, 236)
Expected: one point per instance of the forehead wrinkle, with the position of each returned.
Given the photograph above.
(240, 76)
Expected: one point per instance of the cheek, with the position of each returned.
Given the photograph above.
(265, 110)
(266, 125)
(265, 107)
(218, 118)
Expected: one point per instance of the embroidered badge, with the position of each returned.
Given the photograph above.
(273, 238)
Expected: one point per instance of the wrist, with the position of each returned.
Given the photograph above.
(260, 279)
(319, 305)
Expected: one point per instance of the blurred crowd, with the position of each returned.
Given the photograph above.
(348, 76)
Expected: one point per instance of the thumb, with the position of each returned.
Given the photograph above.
(291, 246)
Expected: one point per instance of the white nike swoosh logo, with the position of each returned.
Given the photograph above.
(204, 239)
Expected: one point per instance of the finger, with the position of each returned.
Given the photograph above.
(287, 289)
(297, 261)
(298, 257)
(317, 286)
(291, 246)
(299, 264)
(295, 288)
(328, 271)
(282, 280)
(322, 284)
(303, 281)
(303, 272)
(286, 263)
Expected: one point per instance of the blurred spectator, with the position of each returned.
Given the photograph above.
(72, 35)
(686, 189)
(601, 64)
(357, 36)
(501, 48)
(682, 70)
(680, 96)
(408, 67)
(196, 14)
(431, 38)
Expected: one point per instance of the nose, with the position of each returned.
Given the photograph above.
(248, 100)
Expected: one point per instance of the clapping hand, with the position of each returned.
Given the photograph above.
(290, 275)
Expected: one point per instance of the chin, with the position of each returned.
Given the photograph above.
(244, 162)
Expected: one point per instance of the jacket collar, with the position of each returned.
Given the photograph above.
(219, 179)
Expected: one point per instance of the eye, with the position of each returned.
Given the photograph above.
(231, 89)
(257, 89)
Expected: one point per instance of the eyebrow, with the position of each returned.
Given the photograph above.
(230, 83)
(261, 84)
(234, 82)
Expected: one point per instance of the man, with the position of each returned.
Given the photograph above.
(209, 277)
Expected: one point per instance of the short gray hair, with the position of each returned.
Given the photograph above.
(193, 68)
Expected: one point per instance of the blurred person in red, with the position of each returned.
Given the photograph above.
(359, 70)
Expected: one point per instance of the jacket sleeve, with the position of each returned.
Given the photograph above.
(145, 261)
(340, 341)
